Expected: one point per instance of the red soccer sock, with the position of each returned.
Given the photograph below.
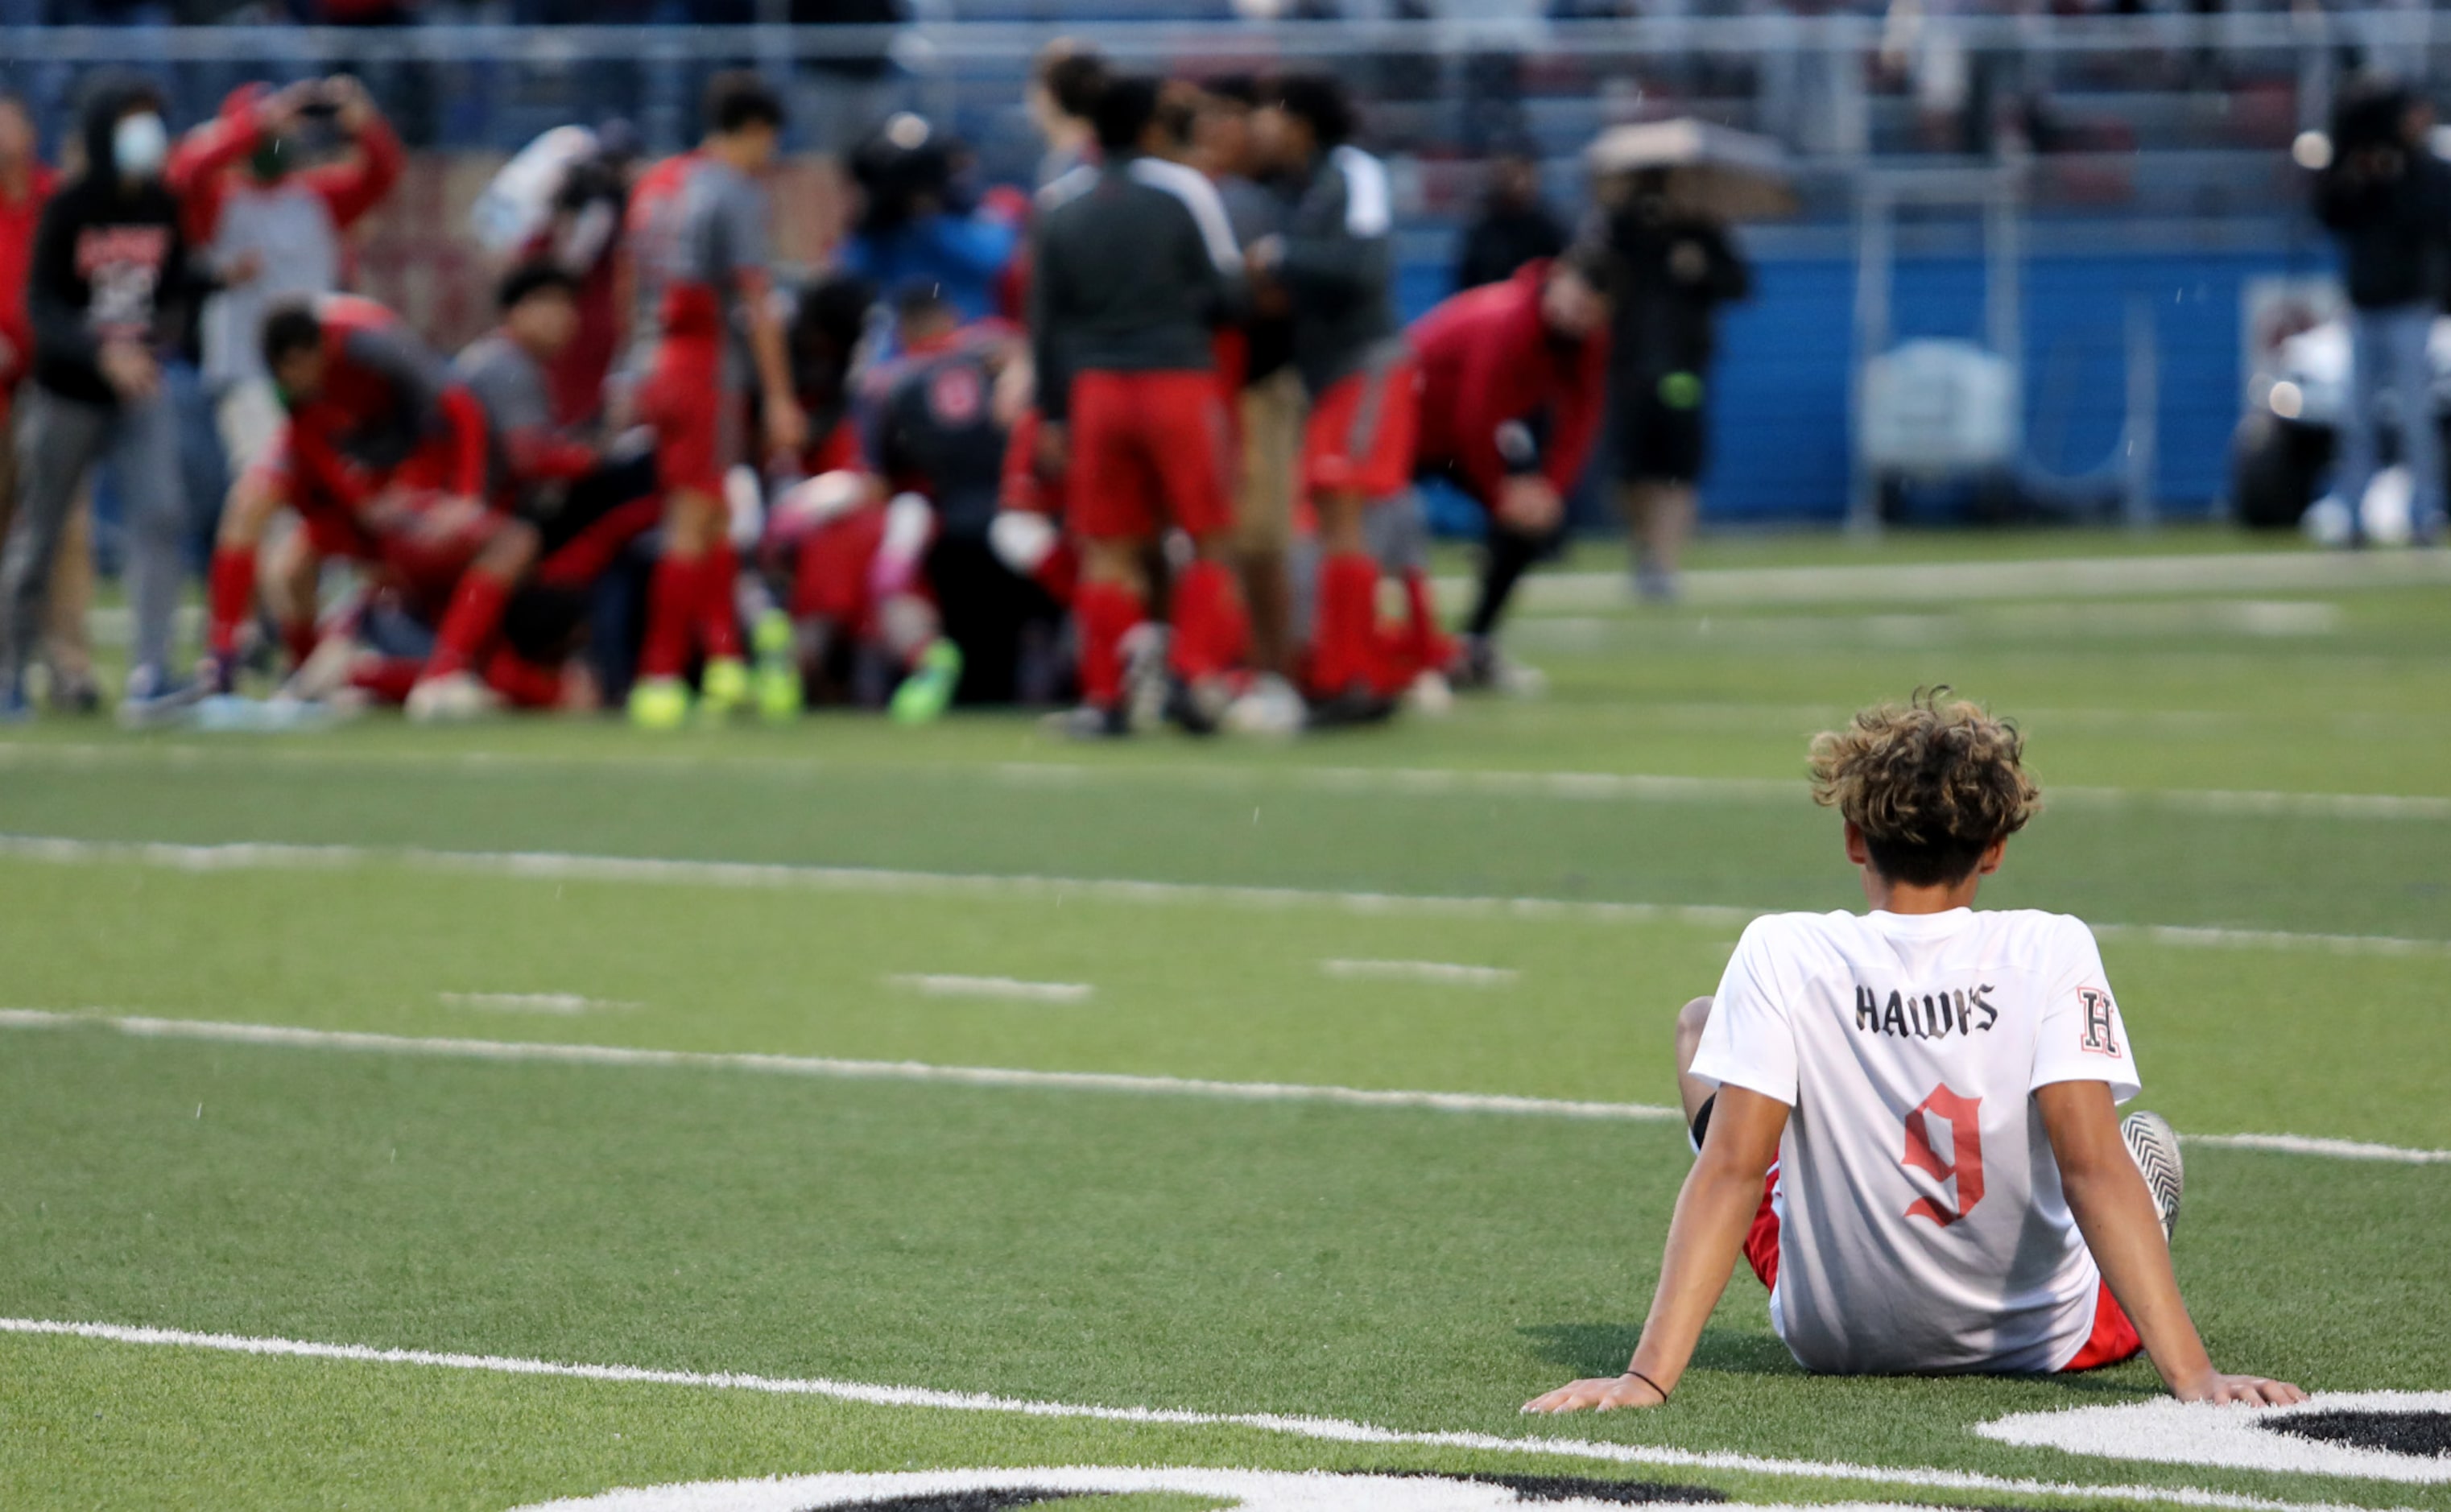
(299, 635)
(1107, 613)
(1211, 628)
(672, 614)
(523, 684)
(386, 679)
(718, 627)
(229, 596)
(1348, 636)
(469, 623)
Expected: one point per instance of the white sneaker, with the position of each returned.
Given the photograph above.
(2154, 1145)
(452, 699)
(1430, 695)
(1145, 682)
(1269, 708)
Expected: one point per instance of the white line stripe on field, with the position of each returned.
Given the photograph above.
(1445, 973)
(939, 985)
(287, 1036)
(1332, 1430)
(563, 866)
(284, 1036)
(565, 1003)
(1937, 582)
(1420, 782)
(2332, 1149)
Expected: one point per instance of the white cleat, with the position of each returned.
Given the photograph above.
(1430, 695)
(1269, 708)
(2155, 1147)
(452, 699)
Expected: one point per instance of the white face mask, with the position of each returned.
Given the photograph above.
(139, 145)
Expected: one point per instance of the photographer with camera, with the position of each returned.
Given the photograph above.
(267, 191)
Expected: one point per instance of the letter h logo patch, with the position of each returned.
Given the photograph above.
(2101, 1037)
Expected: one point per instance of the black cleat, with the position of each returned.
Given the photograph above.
(1089, 722)
(1359, 705)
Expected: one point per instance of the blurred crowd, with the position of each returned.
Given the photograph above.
(1144, 442)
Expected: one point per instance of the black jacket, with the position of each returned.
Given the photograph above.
(1340, 268)
(2394, 226)
(108, 264)
(1672, 273)
(1503, 239)
(1134, 268)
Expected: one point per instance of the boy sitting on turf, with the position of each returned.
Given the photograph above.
(1907, 1119)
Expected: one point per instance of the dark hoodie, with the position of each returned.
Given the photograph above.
(108, 264)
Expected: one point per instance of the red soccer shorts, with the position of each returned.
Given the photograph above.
(697, 421)
(2113, 1338)
(1360, 435)
(1148, 449)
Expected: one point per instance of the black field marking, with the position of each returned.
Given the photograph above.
(1577, 1488)
(997, 1501)
(2417, 1433)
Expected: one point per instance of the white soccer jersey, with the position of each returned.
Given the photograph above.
(1921, 1221)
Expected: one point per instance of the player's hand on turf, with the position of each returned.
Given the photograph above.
(1605, 1394)
(787, 424)
(2251, 1391)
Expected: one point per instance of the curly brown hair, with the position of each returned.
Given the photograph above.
(1932, 784)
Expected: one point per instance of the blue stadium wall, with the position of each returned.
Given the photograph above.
(1779, 443)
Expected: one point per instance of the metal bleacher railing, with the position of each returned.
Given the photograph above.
(2178, 114)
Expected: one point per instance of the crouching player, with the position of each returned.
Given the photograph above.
(1908, 1118)
(578, 509)
(383, 457)
(1513, 379)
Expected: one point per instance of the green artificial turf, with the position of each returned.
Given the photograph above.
(1419, 1269)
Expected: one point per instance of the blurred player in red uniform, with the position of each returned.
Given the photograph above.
(708, 324)
(1514, 376)
(1335, 260)
(580, 507)
(1135, 267)
(384, 460)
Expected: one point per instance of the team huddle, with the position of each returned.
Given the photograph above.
(1173, 483)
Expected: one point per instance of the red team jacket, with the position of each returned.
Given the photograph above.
(385, 413)
(1487, 359)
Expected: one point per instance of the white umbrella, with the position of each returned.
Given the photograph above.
(1713, 171)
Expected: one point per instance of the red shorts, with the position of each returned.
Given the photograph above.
(1360, 434)
(697, 420)
(1148, 448)
(2113, 1338)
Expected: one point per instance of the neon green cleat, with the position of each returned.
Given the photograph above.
(778, 667)
(925, 695)
(659, 703)
(722, 688)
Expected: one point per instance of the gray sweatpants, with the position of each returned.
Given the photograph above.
(58, 442)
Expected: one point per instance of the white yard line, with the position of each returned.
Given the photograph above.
(563, 866)
(1330, 1430)
(567, 1004)
(2329, 1148)
(283, 1036)
(289, 1037)
(939, 985)
(1411, 782)
(1443, 974)
(1994, 582)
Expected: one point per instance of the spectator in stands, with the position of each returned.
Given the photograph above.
(1676, 267)
(911, 226)
(1064, 87)
(2387, 199)
(109, 267)
(273, 225)
(26, 185)
(1514, 226)
(582, 238)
